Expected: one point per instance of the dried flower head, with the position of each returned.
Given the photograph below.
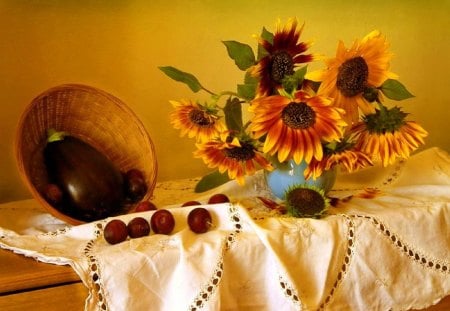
(306, 201)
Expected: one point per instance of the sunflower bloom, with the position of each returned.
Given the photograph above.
(387, 143)
(195, 120)
(295, 127)
(232, 155)
(306, 201)
(283, 55)
(350, 159)
(353, 71)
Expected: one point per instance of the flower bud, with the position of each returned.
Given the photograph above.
(370, 94)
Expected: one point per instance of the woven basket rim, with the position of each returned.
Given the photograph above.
(19, 140)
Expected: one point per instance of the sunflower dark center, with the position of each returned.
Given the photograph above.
(244, 153)
(305, 201)
(387, 120)
(282, 65)
(298, 115)
(200, 118)
(352, 76)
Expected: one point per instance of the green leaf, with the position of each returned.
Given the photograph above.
(249, 79)
(211, 181)
(241, 53)
(233, 114)
(393, 89)
(268, 36)
(300, 73)
(246, 91)
(292, 82)
(183, 77)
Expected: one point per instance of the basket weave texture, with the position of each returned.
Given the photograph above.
(91, 115)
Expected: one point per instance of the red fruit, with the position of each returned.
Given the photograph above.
(199, 220)
(134, 173)
(162, 221)
(145, 206)
(218, 198)
(115, 231)
(53, 194)
(191, 203)
(135, 185)
(138, 227)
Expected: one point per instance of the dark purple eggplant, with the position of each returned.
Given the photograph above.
(92, 186)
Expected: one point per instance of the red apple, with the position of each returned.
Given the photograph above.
(145, 206)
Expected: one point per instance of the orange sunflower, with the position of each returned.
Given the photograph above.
(350, 159)
(354, 71)
(196, 120)
(283, 55)
(295, 127)
(230, 154)
(387, 135)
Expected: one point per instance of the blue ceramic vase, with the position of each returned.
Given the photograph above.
(289, 173)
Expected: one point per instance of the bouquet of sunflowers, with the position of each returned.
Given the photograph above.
(334, 116)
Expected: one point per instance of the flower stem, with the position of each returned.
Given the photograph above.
(383, 109)
(208, 91)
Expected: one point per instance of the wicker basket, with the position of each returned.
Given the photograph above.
(92, 115)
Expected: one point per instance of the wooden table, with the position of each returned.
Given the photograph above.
(26, 284)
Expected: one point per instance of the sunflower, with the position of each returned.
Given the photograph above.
(353, 72)
(295, 127)
(231, 154)
(284, 53)
(387, 135)
(196, 120)
(306, 201)
(350, 158)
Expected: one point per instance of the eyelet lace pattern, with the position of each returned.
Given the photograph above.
(415, 255)
(395, 173)
(209, 289)
(346, 261)
(291, 293)
(94, 268)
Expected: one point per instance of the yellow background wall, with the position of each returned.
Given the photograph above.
(118, 45)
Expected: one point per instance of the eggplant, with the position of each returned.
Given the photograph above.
(92, 185)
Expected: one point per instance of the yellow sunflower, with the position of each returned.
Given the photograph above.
(295, 127)
(350, 159)
(232, 155)
(195, 120)
(283, 55)
(387, 135)
(353, 71)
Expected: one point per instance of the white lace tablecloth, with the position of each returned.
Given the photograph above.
(383, 248)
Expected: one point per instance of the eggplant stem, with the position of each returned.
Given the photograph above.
(54, 135)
